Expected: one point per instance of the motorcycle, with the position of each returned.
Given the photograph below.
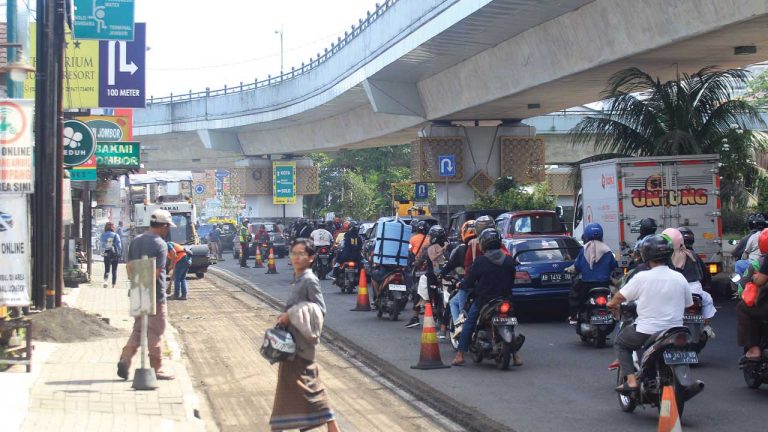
(694, 320)
(349, 277)
(391, 294)
(322, 263)
(595, 321)
(494, 336)
(664, 360)
(454, 325)
(755, 371)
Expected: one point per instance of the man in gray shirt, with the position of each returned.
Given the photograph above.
(150, 245)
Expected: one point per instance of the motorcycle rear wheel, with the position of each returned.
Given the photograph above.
(752, 380)
(504, 356)
(394, 312)
(627, 403)
(599, 340)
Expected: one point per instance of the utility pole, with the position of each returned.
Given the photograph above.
(282, 51)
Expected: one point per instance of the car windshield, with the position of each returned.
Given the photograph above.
(543, 250)
(181, 233)
(536, 224)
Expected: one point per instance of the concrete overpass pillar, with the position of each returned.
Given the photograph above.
(485, 153)
(255, 182)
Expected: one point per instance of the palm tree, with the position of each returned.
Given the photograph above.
(693, 114)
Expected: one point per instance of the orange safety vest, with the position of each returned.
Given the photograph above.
(180, 252)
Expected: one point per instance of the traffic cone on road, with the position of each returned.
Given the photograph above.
(259, 259)
(363, 301)
(669, 419)
(430, 350)
(271, 267)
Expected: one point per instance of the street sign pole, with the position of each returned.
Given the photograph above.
(447, 204)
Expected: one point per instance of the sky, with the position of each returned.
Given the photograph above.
(194, 44)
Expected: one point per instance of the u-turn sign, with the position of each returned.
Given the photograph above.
(446, 165)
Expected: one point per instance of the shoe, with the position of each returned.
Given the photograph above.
(181, 298)
(709, 332)
(441, 335)
(573, 320)
(164, 376)
(614, 365)
(245, 266)
(122, 369)
(414, 322)
(113, 286)
(104, 285)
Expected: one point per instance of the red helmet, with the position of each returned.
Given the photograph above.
(345, 226)
(762, 241)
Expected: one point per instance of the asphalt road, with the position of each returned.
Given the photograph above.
(563, 385)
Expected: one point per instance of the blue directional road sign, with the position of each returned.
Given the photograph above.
(104, 20)
(421, 192)
(446, 165)
(199, 188)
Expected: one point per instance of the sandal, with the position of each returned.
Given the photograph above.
(458, 363)
(625, 388)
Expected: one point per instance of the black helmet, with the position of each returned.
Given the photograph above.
(656, 248)
(760, 222)
(354, 227)
(278, 345)
(751, 221)
(688, 237)
(489, 239)
(484, 222)
(437, 235)
(647, 227)
(422, 227)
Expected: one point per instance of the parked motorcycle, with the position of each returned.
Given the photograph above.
(322, 263)
(494, 336)
(664, 360)
(391, 294)
(349, 277)
(595, 321)
(694, 320)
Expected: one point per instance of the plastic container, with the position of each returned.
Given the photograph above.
(392, 242)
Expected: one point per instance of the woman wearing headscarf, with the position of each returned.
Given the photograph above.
(111, 248)
(595, 264)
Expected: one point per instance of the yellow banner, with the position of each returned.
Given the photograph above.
(81, 71)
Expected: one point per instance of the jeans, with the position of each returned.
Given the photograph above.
(457, 304)
(628, 340)
(180, 277)
(469, 327)
(110, 262)
(740, 266)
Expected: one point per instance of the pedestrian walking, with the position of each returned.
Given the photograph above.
(151, 245)
(111, 248)
(214, 241)
(301, 401)
(181, 260)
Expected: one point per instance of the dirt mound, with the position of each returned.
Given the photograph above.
(66, 324)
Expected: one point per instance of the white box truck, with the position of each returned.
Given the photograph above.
(676, 191)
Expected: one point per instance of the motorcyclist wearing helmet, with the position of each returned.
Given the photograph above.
(418, 238)
(754, 227)
(595, 264)
(456, 264)
(473, 247)
(320, 236)
(339, 235)
(751, 250)
(688, 240)
(491, 276)
(661, 294)
(351, 247)
(750, 327)
(433, 258)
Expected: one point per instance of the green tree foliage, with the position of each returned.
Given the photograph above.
(757, 91)
(510, 196)
(357, 183)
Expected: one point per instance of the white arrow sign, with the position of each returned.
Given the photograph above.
(123, 65)
(447, 166)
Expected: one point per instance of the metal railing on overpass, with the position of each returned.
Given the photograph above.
(335, 48)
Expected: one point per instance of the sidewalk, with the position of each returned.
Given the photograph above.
(74, 386)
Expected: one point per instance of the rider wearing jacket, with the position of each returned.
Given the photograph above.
(661, 294)
(595, 264)
(456, 264)
(750, 320)
(433, 258)
(491, 276)
(351, 249)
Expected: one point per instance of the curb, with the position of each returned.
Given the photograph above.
(443, 409)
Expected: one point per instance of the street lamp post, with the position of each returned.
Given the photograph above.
(280, 32)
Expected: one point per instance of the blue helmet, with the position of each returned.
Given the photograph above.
(593, 231)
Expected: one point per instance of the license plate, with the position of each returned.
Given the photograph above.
(505, 320)
(396, 287)
(601, 319)
(555, 278)
(694, 319)
(680, 357)
(324, 256)
(420, 274)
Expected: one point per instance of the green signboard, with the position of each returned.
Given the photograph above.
(284, 182)
(79, 143)
(82, 175)
(124, 155)
(104, 20)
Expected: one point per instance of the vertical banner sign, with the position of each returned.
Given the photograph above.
(14, 251)
(122, 74)
(284, 182)
(16, 172)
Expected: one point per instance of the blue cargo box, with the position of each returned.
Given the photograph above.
(392, 242)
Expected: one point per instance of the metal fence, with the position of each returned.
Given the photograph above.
(314, 62)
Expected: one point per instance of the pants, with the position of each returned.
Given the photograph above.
(579, 292)
(110, 262)
(628, 340)
(457, 304)
(243, 254)
(155, 330)
(215, 247)
(180, 277)
(750, 326)
(469, 327)
(740, 266)
(707, 304)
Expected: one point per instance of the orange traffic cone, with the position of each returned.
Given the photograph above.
(669, 418)
(430, 350)
(271, 268)
(259, 259)
(363, 301)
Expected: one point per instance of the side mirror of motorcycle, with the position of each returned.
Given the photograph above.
(735, 278)
(733, 242)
